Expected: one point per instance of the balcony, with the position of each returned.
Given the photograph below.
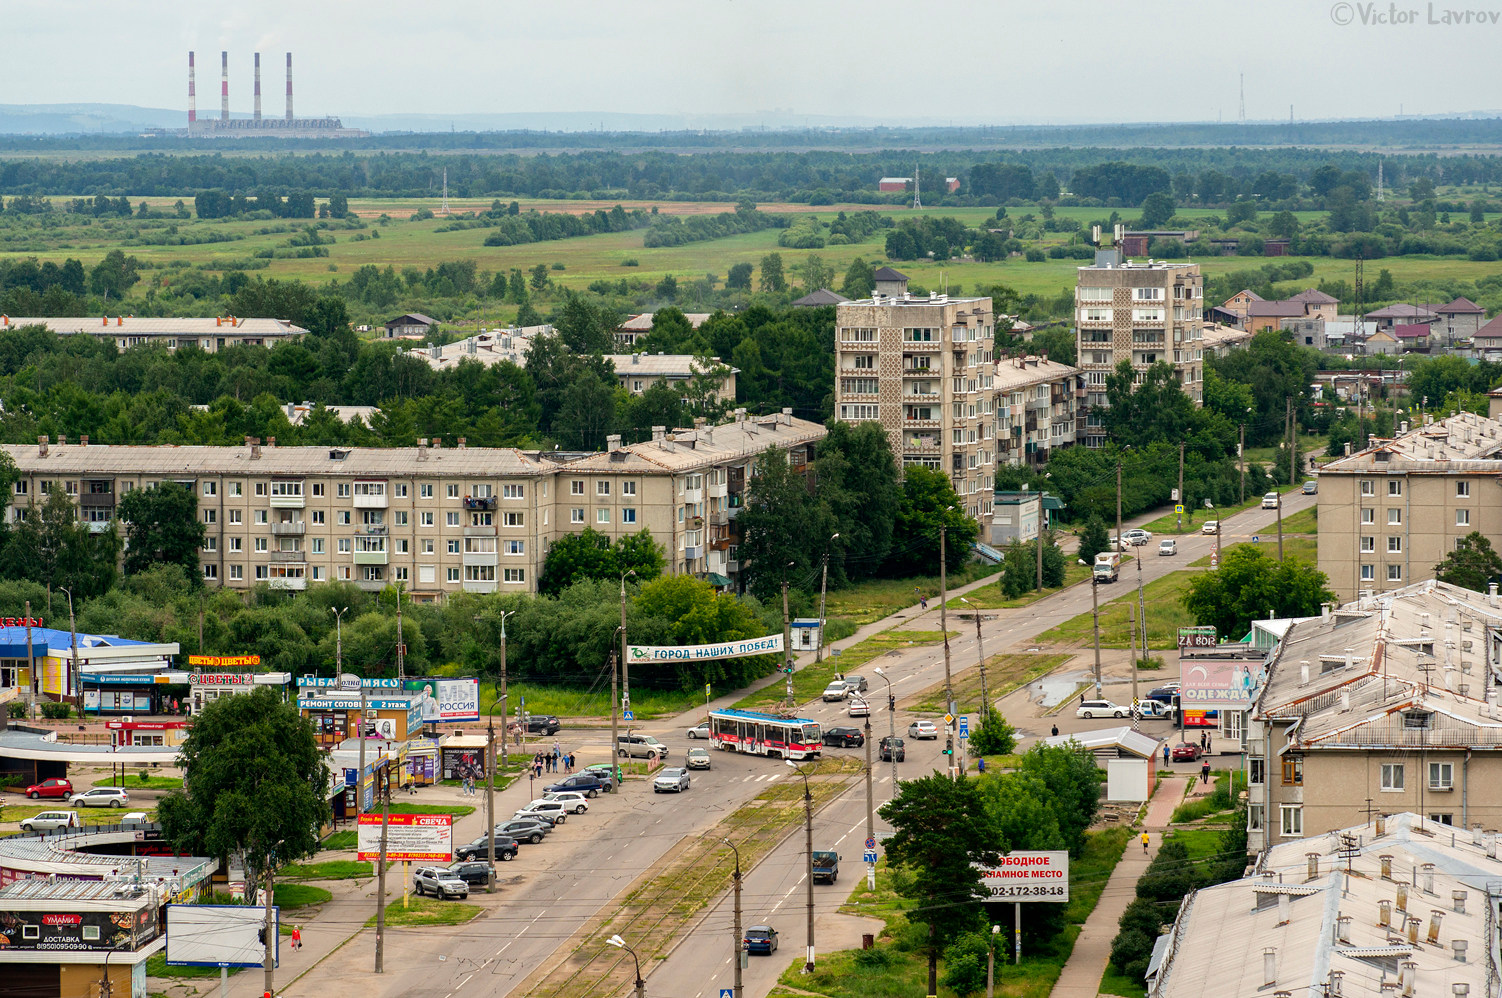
(479, 586)
(371, 551)
(732, 566)
(921, 424)
(95, 499)
(921, 445)
(287, 498)
(479, 503)
(693, 552)
(693, 495)
(481, 558)
(294, 583)
(371, 530)
(718, 490)
(372, 585)
(486, 531)
(289, 557)
(719, 517)
(98, 526)
(294, 529)
(910, 346)
(370, 500)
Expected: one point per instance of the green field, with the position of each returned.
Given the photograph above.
(1165, 615)
(1303, 547)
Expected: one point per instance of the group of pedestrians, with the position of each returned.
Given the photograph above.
(554, 761)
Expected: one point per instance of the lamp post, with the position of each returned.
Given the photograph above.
(808, 833)
(980, 651)
(944, 629)
(504, 712)
(787, 635)
(823, 592)
(891, 725)
(75, 678)
(615, 715)
(500, 701)
(1095, 619)
(339, 612)
(739, 940)
(625, 667)
(619, 943)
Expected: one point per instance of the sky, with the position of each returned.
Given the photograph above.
(934, 62)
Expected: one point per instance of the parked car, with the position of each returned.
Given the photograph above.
(699, 730)
(1136, 537)
(543, 724)
(1210, 527)
(856, 684)
(859, 707)
(697, 758)
(571, 799)
(675, 780)
(505, 848)
(889, 746)
(760, 939)
(1153, 709)
(640, 747)
(61, 789)
(473, 872)
(1100, 708)
(101, 797)
(1186, 752)
(523, 830)
(1168, 547)
(132, 819)
(553, 811)
(587, 783)
(923, 729)
(51, 821)
(439, 882)
(1164, 694)
(605, 771)
(844, 737)
(1271, 500)
(836, 690)
(1311, 488)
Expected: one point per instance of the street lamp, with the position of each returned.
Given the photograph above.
(500, 701)
(823, 591)
(339, 612)
(1095, 618)
(892, 725)
(985, 704)
(808, 832)
(625, 667)
(739, 939)
(615, 711)
(619, 943)
(75, 679)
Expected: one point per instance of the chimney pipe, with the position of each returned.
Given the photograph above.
(1402, 893)
(289, 86)
(258, 86)
(1283, 904)
(83, 441)
(192, 95)
(1343, 928)
(1269, 966)
(1460, 949)
(1313, 858)
(1384, 913)
(1428, 872)
(223, 86)
(41, 446)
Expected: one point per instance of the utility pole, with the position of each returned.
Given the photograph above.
(401, 647)
(615, 714)
(380, 938)
(625, 665)
(1118, 503)
(75, 677)
(1178, 512)
(1141, 608)
(505, 708)
(1039, 544)
(1095, 619)
(31, 660)
(268, 930)
(870, 806)
(891, 725)
(823, 592)
(1241, 457)
(787, 637)
(1132, 644)
(808, 841)
(980, 652)
(1287, 428)
(739, 945)
(944, 627)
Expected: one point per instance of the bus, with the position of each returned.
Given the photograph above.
(765, 734)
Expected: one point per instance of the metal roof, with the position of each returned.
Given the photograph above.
(146, 325)
(192, 462)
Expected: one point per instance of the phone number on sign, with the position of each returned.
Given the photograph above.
(1023, 891)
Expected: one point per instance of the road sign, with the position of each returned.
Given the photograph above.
(948, 718)
(1255, 538)
(1178, 509)
(870, 856)
(629, 715)
(727, 993)
(871, 843)
(964, 727)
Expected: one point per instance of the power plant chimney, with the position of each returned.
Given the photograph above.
(289, 87)
(258, 86)
(224, 86)
(192, 95)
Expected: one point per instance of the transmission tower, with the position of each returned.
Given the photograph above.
(917, 201)
(445, 209)
(1241, 111)
(1380, 193)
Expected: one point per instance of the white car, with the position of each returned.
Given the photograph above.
(575, 802)
(836, 690)
(1101, 708)
(551, 805)
(699, 730)
(1136, 536)
(552, 811)
(1210, 527)
(859, 707)
(100, 797)
(1168, 547)
(1271, 501)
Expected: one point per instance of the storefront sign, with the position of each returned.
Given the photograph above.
(329, 682)
(769, 645)
(1219, 683)
(447, 700)
(1196, 637)
(224, 661)
(20, 621)
(1028, 876)
(81, 930)
(416, 838)
(223, 679)
(350, 703)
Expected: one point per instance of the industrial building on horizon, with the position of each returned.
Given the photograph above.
(255, 126)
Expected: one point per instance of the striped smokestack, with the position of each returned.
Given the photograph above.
(224, 86)
(192, 94)
(258, 86)
(289, 86)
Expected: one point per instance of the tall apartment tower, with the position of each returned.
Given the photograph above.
(923, 367)
(1141, 312)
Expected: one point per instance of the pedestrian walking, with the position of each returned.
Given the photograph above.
(1205, 773)
(1144, 843)
(1165, 753)
(1056, 731)
(297, 937)
(570, 762)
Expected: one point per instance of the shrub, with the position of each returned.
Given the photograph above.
(17, 711)
(1130, 946)
(1035, 255)
(630, 261)
(993, 735)
(875, 958)
(144, 776)
(965, 964)
(56, 711)
(1143, 915)
(558, 266)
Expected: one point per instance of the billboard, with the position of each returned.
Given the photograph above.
(417, 838)
(1211, 684)
(447, 699)
(77, 930)
(1196, 637)
(215, 935)
(769, 645)
(1028, 876)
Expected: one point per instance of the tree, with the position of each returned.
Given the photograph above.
(51, 547)
(1472, 565)
(255, 785)
(1094, 539)
(1073, 780)
(585, 412)
(1249, 586)
(573, 558)
(1157, 209)
(783, 529)
(816, 273)
(860, 280)
(857, 479)
(942, 833)
(993, 735)
(115, 275)
(772, 278)
(162, 526)
(929, 501)
(739, 277)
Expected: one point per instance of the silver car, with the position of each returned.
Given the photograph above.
(51, 821)
(101, 797)
(675, 780)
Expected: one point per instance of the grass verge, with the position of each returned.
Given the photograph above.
(342, 840)
(156, 966)
(150, 783)
(870, 601)
(810, 681)
(1195, 518)
(334, 869)
(1165, 615)
(1303, 547)
(88, 815)
(1305, 521)
(572, 702)
(288, 896)
(990, 597)
(1004, 673)
(428, 911)
(457, 810)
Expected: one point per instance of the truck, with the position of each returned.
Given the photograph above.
(826, 867)
(1107, 566)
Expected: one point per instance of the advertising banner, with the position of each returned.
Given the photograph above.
(1029, 876)
(1218, 683)
(446, 699)
(223, 661)
(417, 838)
(1196, 637)
(769, 645)
(78, 930)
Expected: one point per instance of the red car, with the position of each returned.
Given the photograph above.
(50, 788)
(1186, 752)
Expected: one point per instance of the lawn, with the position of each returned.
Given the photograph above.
(156, 966)
(457, 810)
(428, 911)
(289, 896)
(874, 599)
(1004, 673)
(1165, 615)
(811, 680)
(88, 815)
(346, 839)
(1305, 521)
(990, 597)
(575, 702)
(150, 783)
(1195, 518)
(1301, 547)
(334, 869)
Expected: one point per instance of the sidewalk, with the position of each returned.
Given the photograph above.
(1092, 950)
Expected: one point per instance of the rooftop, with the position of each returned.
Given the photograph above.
(1019, 372)
(822, 296)
(412, 319)
(664, 365)
(146, 325)
(1314, 296)
(888, 274)
(1460, 306)
(1411, 331)
(702, 447)
(1276, 309)
(1452, 444)
(643, 323)
(1402, 310)
(191, 462)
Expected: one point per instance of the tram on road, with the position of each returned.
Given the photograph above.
(765, 734)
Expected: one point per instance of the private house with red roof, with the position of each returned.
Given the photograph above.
(1401, 313)
(1458, 321)
(1414, 337)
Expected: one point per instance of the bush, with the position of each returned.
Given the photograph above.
(1130, 946)
(875, 958)
(1143, 915)
(17, 711)
(144, 776)
(993, 735)
(630, 261)
(56, 711)
(965, 964)
(1035, 256)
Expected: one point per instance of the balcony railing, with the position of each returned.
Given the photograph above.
(289, 557)
(472, 502)
(296, 529)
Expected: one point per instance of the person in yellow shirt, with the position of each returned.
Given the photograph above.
(1144, 843)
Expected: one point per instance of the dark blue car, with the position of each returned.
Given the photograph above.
(761, 939)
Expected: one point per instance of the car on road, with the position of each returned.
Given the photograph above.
(1164, 694)
(1100, 708)
(675, 780)
(835, 691)
(439, 882)
(576, 802)
(697, 758)
(611, 774)
(923, 729)
(640, 747)
(100, 797)
(1271, 500)
(61, 789)
(825, 868)
(554, 810)
(699, 730)
(1186, 752)
(1150, 709)
(889, 746)
(523, 830)
(859, 708)
(1311, 488)
(856, 684)
(1136, 537)
(543, 724)
(760, 939)
(51, 821)
(505, 848)
(1210, 527)
(1168, 547)
(586, 783)
(473, 872)
(844, 737)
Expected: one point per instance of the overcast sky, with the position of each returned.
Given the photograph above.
(969, 61)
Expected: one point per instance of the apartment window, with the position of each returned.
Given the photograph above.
(602, 488)
(401, 518)
(344, 545)
(865, 362)
(919, 335)
(575, 488)
(1368, 515)
(236, 572)
(1093, 294)
(211, 516)
(261, 544)
(1462, 518)
(343, 491)
(515, 575)
(262, 572)
(262, 517)
(453, 547)
(316, 489)
(343, 518)
(427, 547)
(318, 517)
(399, 573)
(516, 547)
(1394, 517)
(602, 516)
(1395, 545)
(1293, 820)
(859, 413)
(628, 515)
(236, 544)
(1368, 487)
(629, 488)
(1392, 776)
(486, 519)
(859, 386)
(1394, 573)
(513, 519)
(451, 519)
(376, 489)
(453, 492)
(1445, 818)
(317, 545)
(210, 489)
(1256, 771)
(1441, 776)
(260, 488)
(1147, 294)
(1368, 545)
(211, 572)
(234, 516)
(425, 519)
(425, 492)
(211, 544)
(1395, 487)
(237, 489)
(481, 492)
(403, 546)
(1368, 573)
(1293, 771)
(513, 492)
(453, 575)
(576, 515)
(1462, 490)
(401, 491)
(479, 573)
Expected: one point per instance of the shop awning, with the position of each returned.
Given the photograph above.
(718, 580)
